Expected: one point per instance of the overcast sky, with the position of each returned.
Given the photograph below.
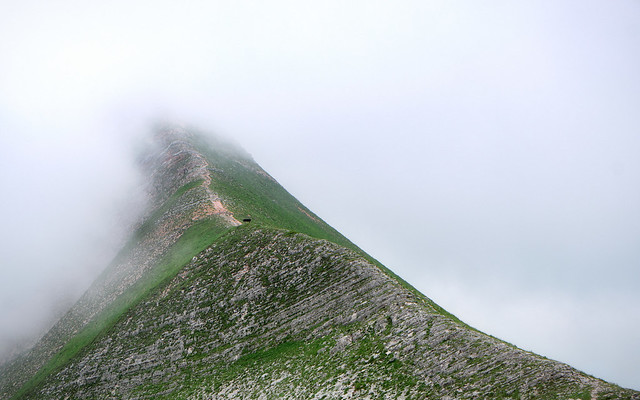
(486, 151)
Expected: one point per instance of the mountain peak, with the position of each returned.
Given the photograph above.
(199, 305)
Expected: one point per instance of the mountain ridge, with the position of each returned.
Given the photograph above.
(199, 194)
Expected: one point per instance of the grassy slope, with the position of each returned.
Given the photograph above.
(195, 239)
(246, 190)
(295, 354)
(250, 193)
(295, 366)
(245, 193)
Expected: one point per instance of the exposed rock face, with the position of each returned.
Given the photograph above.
(178, 164)
(261, 311)
(268, 314)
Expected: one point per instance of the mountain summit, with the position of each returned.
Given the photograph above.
(230, 288)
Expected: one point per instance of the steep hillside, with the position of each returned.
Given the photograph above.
(195, 186)
(184, 208)
(200, 306)
(266, 313)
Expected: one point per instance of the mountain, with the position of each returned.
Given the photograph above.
(231, 288)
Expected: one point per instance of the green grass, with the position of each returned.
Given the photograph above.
(248, 193)
(151, 220)
(301, 362)
(195, 239)
(147, 227)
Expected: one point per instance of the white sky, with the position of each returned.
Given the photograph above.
(487, 152)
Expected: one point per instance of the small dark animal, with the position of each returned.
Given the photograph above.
(246, 220)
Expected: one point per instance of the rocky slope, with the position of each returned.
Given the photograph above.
(266, 313)
(201, 307)
(182, 199)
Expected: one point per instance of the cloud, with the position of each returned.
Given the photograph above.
(68, 202)
(485, 152)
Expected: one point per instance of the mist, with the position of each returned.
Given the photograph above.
(487, 153)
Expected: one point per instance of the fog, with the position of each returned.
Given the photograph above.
(487, 153)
